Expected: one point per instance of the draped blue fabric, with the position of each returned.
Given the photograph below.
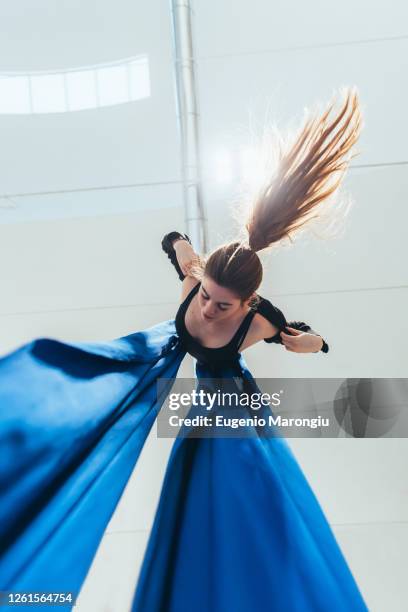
(74, 418)
(237, 526)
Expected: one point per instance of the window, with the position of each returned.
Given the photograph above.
(78, 89)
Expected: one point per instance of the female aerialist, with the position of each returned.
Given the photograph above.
(237, 526)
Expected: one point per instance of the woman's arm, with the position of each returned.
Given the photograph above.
(182, 255)
(296, 336)
(168, 245)
(186, 256)
(302, 342)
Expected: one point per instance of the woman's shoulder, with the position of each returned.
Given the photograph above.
(268, 321)
(261, 328)
(270, 313)
(190, 286)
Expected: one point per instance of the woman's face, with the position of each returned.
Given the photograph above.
(218, 303)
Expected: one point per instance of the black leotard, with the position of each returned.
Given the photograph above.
(230, 351)
(224, 354)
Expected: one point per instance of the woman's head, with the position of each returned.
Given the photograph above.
(217, 302)
(236, 267)
(232, 274)
(229, 279)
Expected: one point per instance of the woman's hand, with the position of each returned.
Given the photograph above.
(186, 256)
(301, 342)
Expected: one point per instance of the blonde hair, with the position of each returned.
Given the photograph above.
(308, 173)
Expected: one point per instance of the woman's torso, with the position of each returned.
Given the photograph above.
(232, 340)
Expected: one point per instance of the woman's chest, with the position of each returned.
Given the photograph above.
(208, 335)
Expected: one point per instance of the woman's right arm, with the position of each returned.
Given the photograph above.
(186, 257)
(182, 255)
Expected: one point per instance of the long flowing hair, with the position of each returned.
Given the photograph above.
(308, 172)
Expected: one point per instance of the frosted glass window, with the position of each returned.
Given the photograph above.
(112, 85)
(14, 95)
(139, 79)
(71, 90)
(48, 93)
(81, 90)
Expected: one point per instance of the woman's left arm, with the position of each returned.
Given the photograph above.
(302, 341)
(296, 336)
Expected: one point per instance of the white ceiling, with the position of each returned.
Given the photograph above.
(54, 34)
(239, 26)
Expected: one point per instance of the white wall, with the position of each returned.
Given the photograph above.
(271, 60)
(70, 262)
(91, 194)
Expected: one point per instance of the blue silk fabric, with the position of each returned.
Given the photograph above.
(237, 526)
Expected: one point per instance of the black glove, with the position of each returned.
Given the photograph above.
(167, 246)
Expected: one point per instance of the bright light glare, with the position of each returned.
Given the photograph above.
(224, 171)
(244, 165)
(251, 167)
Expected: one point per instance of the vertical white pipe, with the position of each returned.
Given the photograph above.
(187, 114)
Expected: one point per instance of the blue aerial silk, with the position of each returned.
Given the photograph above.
(237, 525)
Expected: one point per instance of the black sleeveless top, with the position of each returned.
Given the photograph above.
(230, 352)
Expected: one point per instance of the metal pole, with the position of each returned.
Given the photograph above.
(187, 115)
